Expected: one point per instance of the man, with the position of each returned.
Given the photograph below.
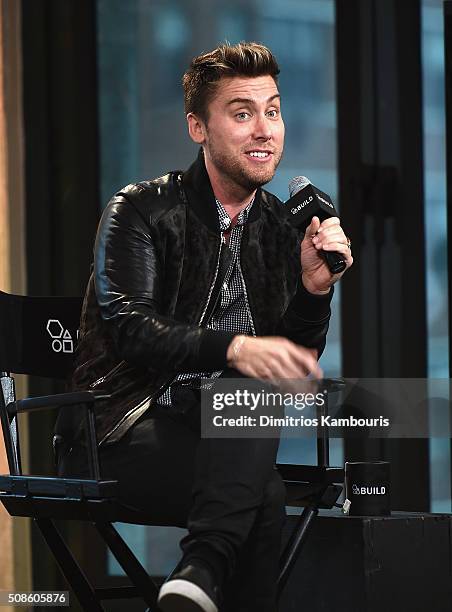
(195, 274)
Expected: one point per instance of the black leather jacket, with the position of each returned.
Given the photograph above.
(158, 267)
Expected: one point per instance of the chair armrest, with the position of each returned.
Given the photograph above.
(57, 400)
(310, 473)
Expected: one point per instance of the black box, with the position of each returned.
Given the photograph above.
(398, 563)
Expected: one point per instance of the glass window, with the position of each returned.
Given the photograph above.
(435, 231)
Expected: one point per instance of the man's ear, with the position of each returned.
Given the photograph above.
(196, 128)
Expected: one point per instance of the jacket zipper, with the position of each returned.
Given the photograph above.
(107, 376)
(253, 329)
(167, 383)
(222, 242)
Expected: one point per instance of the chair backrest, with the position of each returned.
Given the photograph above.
(38, 336)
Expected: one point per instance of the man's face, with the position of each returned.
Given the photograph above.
(244, 134)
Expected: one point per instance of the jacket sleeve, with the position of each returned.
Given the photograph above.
(128, 283)
(306, 319)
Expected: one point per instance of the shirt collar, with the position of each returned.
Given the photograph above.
(225, 220)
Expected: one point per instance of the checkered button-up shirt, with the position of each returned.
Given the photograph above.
(232, 312)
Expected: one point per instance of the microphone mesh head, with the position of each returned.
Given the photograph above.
(297, 184)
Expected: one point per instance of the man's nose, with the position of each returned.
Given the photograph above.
(262, 128)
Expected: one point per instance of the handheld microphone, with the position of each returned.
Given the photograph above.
(306, 201)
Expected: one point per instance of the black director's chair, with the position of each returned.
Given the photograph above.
(38, 337)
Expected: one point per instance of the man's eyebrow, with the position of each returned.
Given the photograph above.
(250, 100)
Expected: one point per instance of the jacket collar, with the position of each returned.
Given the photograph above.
(201, 199)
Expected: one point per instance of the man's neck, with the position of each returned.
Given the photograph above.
(233, 197)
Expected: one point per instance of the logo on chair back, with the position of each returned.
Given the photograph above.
(61, 338)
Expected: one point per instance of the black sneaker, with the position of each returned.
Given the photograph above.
(191, 589)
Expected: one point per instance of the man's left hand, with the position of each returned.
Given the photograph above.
(328, 236)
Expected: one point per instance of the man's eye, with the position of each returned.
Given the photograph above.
(273, 113)
(242, 116)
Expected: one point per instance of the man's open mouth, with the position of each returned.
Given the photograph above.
(259, 154)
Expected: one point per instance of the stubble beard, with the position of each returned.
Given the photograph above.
(238, 173)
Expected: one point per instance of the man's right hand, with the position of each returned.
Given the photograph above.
(272, 358)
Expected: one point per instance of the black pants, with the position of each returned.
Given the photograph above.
(227, 492)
